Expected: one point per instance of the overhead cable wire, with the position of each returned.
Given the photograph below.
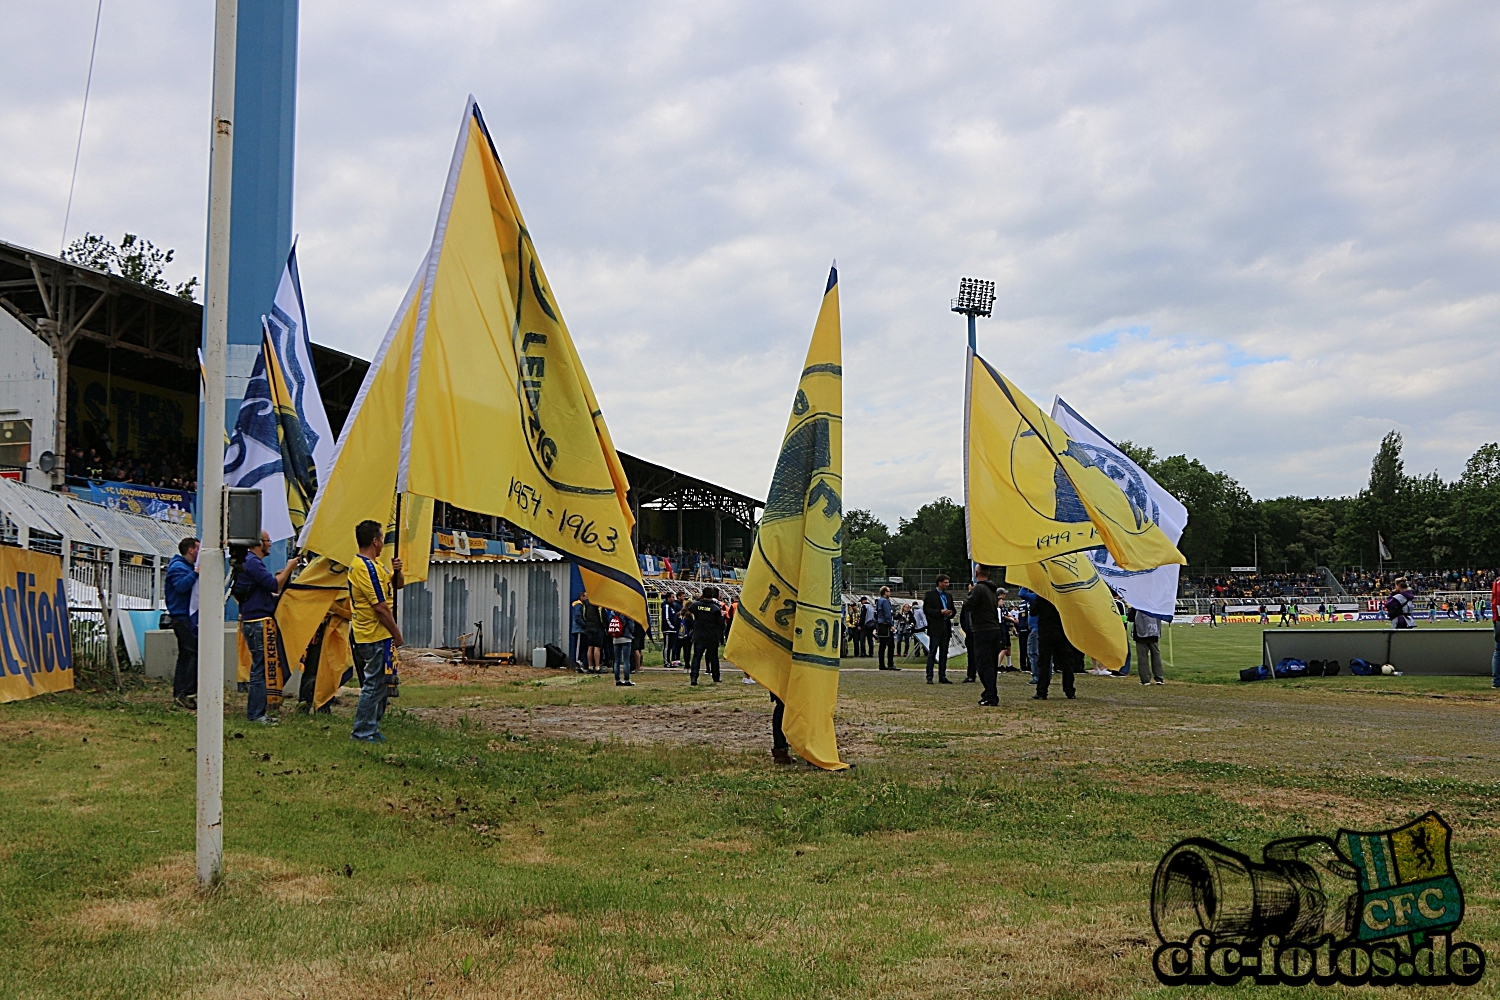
(78, 149)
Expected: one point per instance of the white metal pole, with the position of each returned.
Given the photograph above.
(211, 448)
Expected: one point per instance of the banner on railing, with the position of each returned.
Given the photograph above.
(152, 501)
(36, 642)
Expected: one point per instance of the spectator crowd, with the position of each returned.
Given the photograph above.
(171, 469)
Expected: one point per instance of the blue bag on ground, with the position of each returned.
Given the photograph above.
(1289, 668)
(1256, 673)
(1363, 668)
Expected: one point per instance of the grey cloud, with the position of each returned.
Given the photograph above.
(1311, 183)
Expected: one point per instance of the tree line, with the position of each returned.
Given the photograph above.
(1426, 522)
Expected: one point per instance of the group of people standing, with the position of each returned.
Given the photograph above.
(1034, 627)
(375, 634)
(602, 637)
(693, 631)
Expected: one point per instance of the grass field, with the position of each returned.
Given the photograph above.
(534, 834)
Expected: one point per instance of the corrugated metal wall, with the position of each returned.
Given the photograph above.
(522, 605)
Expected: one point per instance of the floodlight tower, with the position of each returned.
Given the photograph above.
(976, 297)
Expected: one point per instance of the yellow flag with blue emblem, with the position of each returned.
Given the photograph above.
(482, 398)
(788, 630)
(1035, 493)
(297, 467)
(1037, 501)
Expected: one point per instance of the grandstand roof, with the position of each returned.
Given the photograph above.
(653, 485)
(130, 329)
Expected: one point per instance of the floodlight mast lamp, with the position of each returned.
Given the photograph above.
(976, 297)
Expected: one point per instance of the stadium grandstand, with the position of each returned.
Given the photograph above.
(129, 354)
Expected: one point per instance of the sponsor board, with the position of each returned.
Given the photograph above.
(36, 641)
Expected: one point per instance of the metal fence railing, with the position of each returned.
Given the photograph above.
(90, 633)
(901, 579)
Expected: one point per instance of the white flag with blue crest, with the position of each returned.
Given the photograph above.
(1153, 590)
(259, 448)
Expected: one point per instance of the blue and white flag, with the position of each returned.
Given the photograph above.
(1153, 590)
(284, 462)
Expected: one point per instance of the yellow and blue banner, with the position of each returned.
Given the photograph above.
(281, 442)
(478, 398)
(1035, 493)
(36, 639)
(1083, 601)
(1040, 504)
(787, 631)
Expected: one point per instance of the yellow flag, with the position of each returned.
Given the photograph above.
(478, 397)
(297, 466)
(1034, 493)
(412, 539)
(362, 483)
(787, 632)
(1083, 601)
(305, 603)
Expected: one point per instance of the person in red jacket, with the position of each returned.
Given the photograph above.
(1495, 617)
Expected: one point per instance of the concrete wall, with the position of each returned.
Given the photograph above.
(1451, 652)
(522, 605)
(28, 388)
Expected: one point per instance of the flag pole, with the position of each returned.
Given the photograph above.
(210, 737)
(396, 554)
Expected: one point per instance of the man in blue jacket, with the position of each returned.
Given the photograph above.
(182, 576)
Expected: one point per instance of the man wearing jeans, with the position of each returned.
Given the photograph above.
(182, 574)
(375, 632)
(257, 588)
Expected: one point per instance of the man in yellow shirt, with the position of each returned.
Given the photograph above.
(375, 632)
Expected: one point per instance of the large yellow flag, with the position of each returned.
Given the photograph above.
(786, 634)
(319, 593)
(478, 397)
(1035, 493)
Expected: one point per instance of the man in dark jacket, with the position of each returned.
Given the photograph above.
(1054, 651)
(257, 589)
(182, 576)
(938, 606)
(983, 609)
(708, 627)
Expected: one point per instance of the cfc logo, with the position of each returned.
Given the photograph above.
(1364, 908)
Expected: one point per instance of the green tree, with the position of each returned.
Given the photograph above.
(934, 536)
(1206, 496)
(1477, 507)
(135, 258)
(863, 524)
(864, 553)
(1317, 532)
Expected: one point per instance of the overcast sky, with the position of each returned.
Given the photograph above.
(1263, 234)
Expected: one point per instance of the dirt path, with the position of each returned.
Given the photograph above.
(723, 726)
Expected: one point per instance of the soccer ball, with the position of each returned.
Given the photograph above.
(1387, 669)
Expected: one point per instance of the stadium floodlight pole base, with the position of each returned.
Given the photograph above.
(210, 748)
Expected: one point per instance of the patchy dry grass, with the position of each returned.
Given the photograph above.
(534, 834)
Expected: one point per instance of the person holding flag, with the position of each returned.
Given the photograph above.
(787, 633)
(477, 397)
(1039, 503)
